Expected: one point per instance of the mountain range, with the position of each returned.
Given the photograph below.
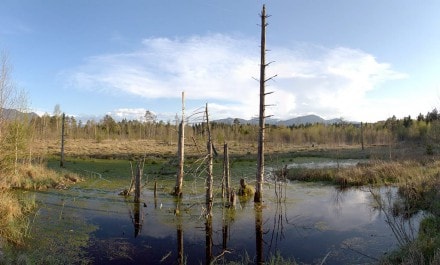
(12, 114)
(302, 120)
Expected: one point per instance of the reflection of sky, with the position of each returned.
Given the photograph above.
(312, 220)
(345, 211)
(330, 163)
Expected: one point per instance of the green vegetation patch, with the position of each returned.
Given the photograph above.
(56, 236)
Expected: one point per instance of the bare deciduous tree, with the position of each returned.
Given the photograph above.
(14, 125)
(6, 88)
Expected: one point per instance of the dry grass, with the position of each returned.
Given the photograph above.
(376, 172)
(13, 220)
(114, 149)
(38, 177)
(13, 211)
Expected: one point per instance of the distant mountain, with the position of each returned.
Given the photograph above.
(309, 119)
(12, 114)
(231, 121)
(302, 120)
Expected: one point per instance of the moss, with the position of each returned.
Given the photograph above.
(245, 190)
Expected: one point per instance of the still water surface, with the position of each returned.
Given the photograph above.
(308, 223)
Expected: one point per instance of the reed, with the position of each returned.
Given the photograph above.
(376, 173)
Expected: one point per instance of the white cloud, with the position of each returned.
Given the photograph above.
(127, 113)
(219, 69)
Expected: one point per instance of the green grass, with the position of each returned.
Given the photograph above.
(53, 240)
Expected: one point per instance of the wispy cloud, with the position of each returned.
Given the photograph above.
(219, 69)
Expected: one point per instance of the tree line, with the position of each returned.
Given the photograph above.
(423, 129)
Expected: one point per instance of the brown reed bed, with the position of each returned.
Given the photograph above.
(376, 172)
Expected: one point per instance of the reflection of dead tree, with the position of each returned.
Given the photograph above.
(338, 198)
(180, 258)
(227, 218)
(259, 233)
(208, 237)
(400, 225)
(136, 216)
(138, 219)
(280, 215)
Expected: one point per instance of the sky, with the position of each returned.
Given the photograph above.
(357, 60)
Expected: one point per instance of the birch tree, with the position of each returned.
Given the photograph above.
(14, 127)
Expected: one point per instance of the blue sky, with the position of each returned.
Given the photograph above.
(359, 60)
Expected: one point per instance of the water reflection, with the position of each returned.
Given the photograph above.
(180, 256)
(306, 223)
(180, 259)
(259, 233)
(280, 213)
(137, 218)
(208, 239)
(398, 215)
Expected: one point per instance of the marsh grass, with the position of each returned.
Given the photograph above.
(375, 172)
(38, 177)
(14, 224)
(15, 209)
(419, 190)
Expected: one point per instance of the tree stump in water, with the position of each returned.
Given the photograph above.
(245, 190)
(232, 200)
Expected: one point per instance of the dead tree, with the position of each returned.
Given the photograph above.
(181, 152)
(226, 191)
(209, 178)
(260, 159)
(362, 135)
(62, 140)
(137, 183)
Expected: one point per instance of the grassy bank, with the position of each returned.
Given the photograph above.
(13, 209)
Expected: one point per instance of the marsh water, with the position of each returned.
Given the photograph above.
(310, 223)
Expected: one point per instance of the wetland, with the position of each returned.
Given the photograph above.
(302, 222)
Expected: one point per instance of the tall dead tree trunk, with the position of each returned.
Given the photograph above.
(226, 172)
(137, 183)
(62, 140)
(260, 159)
(181, 151)
(209, 178)
(362, 135)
